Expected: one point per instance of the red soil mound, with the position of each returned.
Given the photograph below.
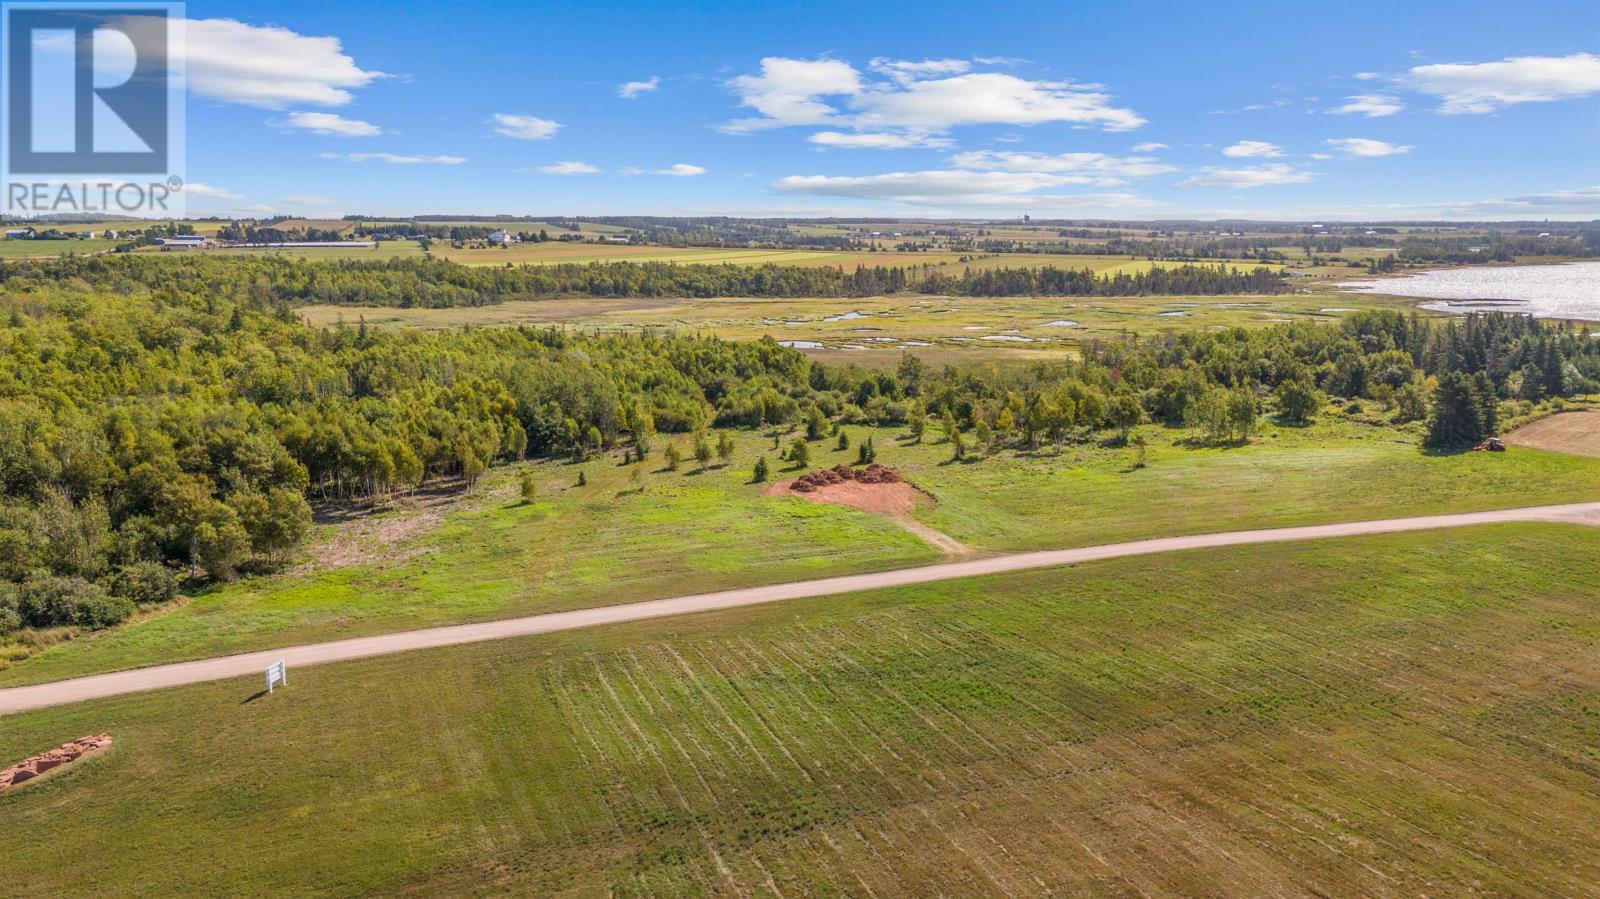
(28, 769)
(838, 474)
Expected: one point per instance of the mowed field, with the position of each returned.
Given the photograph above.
(487, 555)
(1410, 714)
(1570, 432)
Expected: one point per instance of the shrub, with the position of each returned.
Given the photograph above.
(9, 619)
(57, 601)
(102, 611)
(1298, 399)
(144, 583)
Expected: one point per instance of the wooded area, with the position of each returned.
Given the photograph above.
(167, 419)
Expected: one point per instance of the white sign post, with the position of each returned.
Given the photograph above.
(277, 674)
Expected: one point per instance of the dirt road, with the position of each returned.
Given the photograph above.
(19, 699)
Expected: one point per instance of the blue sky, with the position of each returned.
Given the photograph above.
(1124, 110)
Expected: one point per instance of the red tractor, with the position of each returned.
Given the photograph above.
(1493, 445)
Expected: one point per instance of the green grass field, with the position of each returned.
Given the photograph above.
(44, 249)
(1411, 714)
(492, 557)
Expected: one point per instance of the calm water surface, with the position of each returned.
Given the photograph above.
(1571, 290)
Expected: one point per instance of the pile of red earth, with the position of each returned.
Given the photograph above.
(45, 761)
(838, 474)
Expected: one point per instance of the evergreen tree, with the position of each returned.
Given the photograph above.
(800, 452)
(1457, 417)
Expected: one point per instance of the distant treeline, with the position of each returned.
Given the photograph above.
(436, 283)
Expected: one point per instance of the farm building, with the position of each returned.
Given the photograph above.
(502, 237)
(185, 242)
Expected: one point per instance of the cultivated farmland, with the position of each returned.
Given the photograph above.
(1389, 715)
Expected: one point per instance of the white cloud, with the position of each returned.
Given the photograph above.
(265, 65)
(1254, 107)
(1362, 146)
(1488, 86)
(396, 158)
(790, 92)
(1248, 148)
(877, 140)
(1094, 167)
(524, 127)
(1248, 177)
(956, 188)
(681, 170)
(631, 89)
(1578, 204)
(920, 97)
(1370, 105)
(1568, 205)
(331, 124)
(197, 189)
(568, 168)
(905, 70)
(1149, 147)
(987, 98)
(304, 200)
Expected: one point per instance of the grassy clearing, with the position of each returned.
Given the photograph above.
(493, 557)
(48, 249)
(1343, 468)
(1406, 714)
(1005, 327)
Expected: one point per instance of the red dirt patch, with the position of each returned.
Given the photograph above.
(876, 489)
(30, 768)
(897, 499)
